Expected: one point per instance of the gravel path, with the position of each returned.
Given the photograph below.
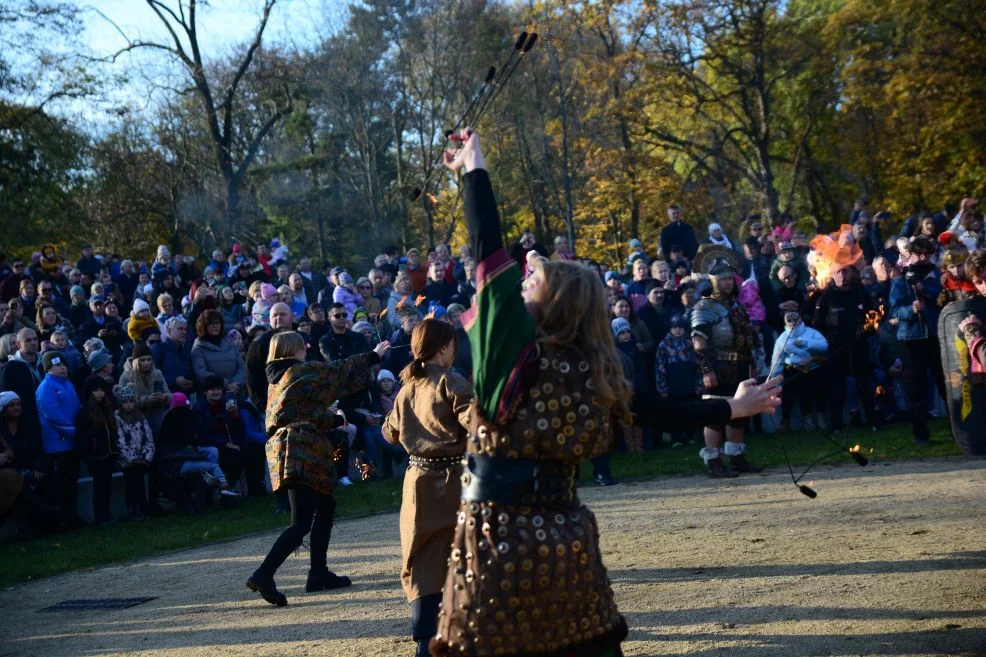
(888, 560)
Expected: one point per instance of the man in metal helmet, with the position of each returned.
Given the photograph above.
(724, 342)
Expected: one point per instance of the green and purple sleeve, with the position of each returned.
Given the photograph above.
(500, 329)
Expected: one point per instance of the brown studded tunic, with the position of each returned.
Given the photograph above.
(430, 419)
(524, 580)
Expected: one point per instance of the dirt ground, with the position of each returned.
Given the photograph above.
(888, 560)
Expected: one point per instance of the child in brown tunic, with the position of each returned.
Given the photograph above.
(430, 419)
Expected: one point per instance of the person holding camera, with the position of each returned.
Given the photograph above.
(217, 415)
(912, 302)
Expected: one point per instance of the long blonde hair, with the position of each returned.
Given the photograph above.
(572, 313)
(285, 345)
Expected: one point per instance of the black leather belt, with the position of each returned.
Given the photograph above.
(441, 463)
(518, 482)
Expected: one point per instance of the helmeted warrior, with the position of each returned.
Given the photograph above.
(725, 343)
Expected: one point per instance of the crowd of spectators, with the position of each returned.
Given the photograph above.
(156, 370)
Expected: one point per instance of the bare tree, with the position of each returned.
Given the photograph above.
(235, 143)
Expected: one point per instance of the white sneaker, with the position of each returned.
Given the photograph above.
(211, 481)
(229, 493)
(345, 482)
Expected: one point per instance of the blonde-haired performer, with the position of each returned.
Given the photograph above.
(525, 574)
(299, 452)
(431, 420)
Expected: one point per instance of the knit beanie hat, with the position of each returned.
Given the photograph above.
(140, 349)
(179, 400)
(162, 251)
(268, 292)
(139, 306)
(346, 278)
(679, 321)
(359, 327)
(386, 374)
(125, 394)
(52, 358)
(98, 359)
(76, 291)
(619, 325)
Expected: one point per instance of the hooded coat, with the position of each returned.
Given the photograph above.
(57, 407)
(299, 417)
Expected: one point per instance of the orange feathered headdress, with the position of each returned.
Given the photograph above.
(833, 252)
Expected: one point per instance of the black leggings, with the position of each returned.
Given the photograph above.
(310, 512)
(921, 359)
(101, 471)
(133, 477)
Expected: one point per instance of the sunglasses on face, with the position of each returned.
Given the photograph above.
(18, 266)
(339, 316)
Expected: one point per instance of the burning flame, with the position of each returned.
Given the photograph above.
(881, 391)
(857, 448)
(401, 303)
(383, 312)
(834, 252)
(873, 317)
(431, 197)
(420, 299)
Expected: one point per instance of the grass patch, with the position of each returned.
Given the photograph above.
(91, 547)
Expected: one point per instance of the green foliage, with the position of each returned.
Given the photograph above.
(725, 107)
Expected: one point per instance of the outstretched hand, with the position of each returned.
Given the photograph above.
(469, 157)
(382, 348)
(751, 399)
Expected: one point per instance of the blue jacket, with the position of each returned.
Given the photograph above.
(915, 326)
(253, 423)
(58, 405)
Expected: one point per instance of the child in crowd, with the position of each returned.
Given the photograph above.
(794, 355)
(60, 342)
(678, 377)
(140, 320)
(96, 436)
(135, 444)
(635, 369)
(378, 451)
(954, 285)
(58, 404)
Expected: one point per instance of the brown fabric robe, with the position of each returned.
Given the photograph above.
(430, 419)
(542, 588)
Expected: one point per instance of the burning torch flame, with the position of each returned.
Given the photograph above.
(421, 298)
(873, 317)
(857, 456)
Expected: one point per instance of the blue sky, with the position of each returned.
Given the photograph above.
(223, 25)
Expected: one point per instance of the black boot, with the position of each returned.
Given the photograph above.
(325, 580)
(719, 471)
(264, 585)
(424, 621)
(740, 464)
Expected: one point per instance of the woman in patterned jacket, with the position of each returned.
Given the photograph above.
(299, 452)
(525, 574)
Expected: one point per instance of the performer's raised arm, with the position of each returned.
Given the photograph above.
(499, 326)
